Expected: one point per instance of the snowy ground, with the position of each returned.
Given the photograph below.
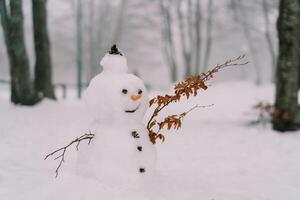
(215, 156)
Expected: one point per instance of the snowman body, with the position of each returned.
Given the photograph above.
(121, 151)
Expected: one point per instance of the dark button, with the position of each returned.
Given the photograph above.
(139, 148)
(135, 134)
(142, 170)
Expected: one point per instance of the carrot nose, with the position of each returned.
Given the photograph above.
(135, 97)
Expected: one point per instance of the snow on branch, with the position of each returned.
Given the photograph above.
(189, 87)
(62, 151)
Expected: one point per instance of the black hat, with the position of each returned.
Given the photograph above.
(115, 51)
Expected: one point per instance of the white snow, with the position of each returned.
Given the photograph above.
(214, 156)
(113, 157)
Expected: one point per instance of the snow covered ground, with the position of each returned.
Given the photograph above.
(215, 156)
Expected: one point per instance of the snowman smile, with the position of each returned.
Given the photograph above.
(132, 111)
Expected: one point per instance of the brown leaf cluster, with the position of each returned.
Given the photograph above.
(266, 112)
(265, 107)
(270, 111)
(187, 88)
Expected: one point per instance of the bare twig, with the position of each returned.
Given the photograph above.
(87, 136)
(197, 106)
(229, 63)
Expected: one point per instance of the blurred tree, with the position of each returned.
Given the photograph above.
(239, 9)
(43, 66)
(22, 91)
(209, 39)
(103, 38)
(257, 19)
(105, 28)
(195, 34)
(287, 116)
(92, 71)
(141, 36)
(187, 38)
(117, 35)
(79, 47)
(268, 36)
(168, 38)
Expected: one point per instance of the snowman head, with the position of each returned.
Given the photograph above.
(114, 61)
(116, 96)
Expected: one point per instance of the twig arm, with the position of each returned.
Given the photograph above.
(87, 136)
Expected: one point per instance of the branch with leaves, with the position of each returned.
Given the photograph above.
(62, 151)
(171, 121)
(189, 87)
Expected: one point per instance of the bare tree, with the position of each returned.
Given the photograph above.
(198, 26)
(185, 38)
(22, 91)
(79, 38)
(118, 29)
(268, 37)
(239, 13)
(249, 15)
(104, 21)
(105, 28)
(92, 57)
(209, 25)
(168, 39)
(43, 65)
(101, 40)
(195, 40)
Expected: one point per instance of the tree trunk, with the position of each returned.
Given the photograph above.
(198, 27)
(79, 47)
(92, 57)
(286, 116)
(186, 52)
(208, 45)
(119, 25)
(43, 67)
(22, 91)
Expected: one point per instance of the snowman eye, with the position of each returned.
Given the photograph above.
(140, 91)
(124, 91)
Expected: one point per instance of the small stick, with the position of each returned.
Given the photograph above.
(87, 136)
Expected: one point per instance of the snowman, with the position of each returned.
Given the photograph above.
(121, 151)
